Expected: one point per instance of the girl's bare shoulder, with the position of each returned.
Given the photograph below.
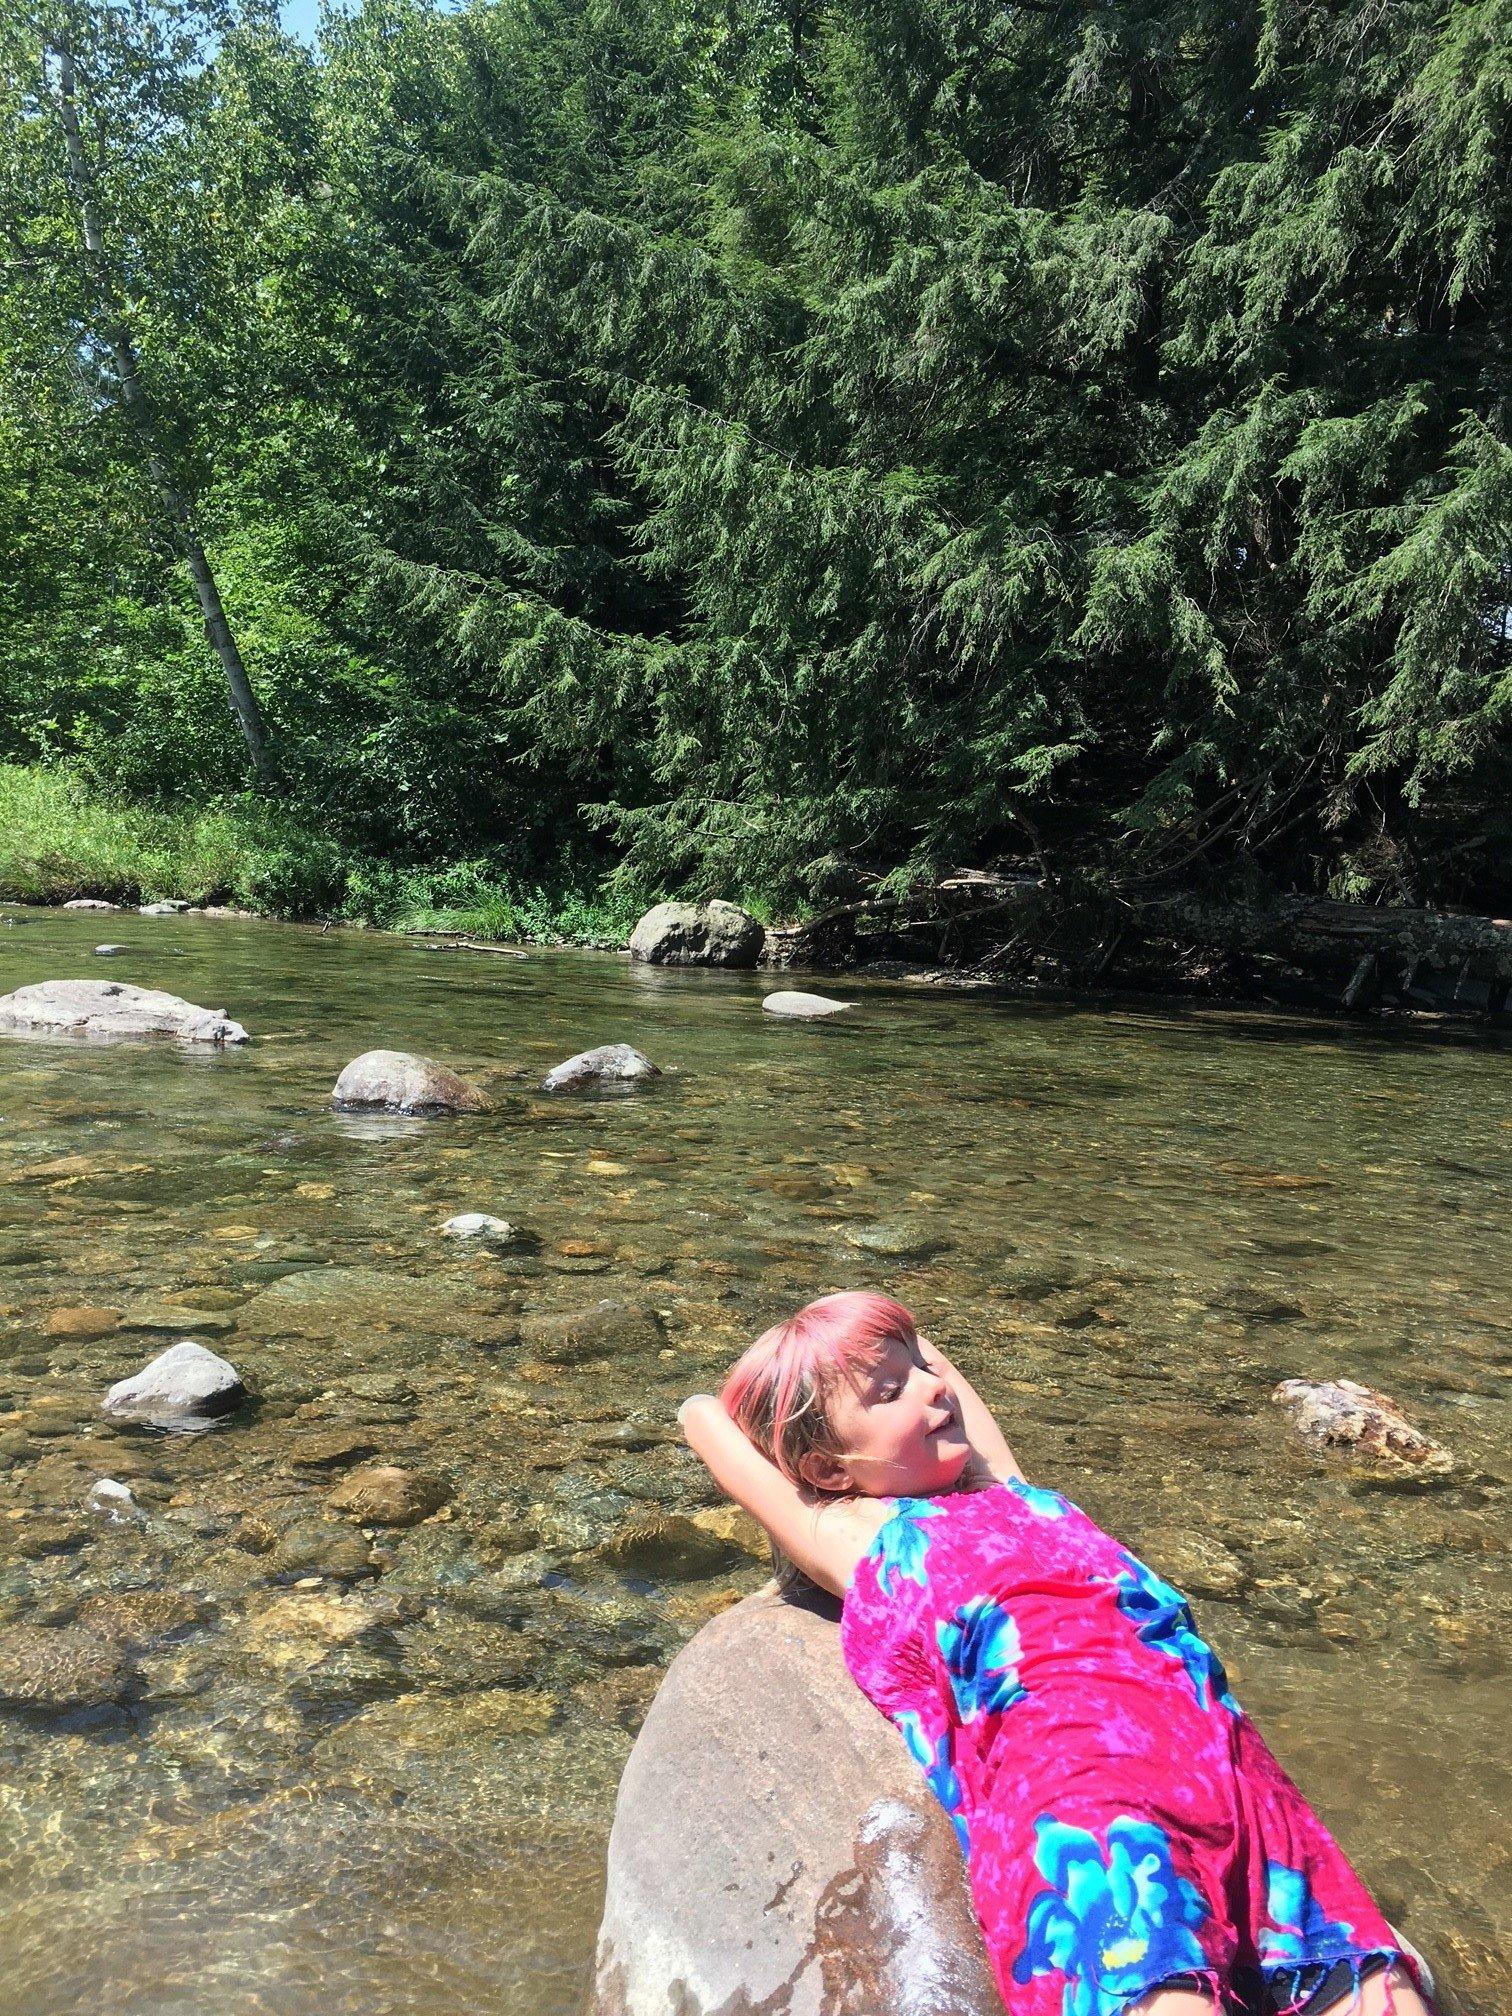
(847, 1527)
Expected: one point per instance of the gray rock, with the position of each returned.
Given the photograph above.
(111, 1008)
(1340, 1414)
(374, 1303)
(610, 1063)
(697, 934)
(848, 1898)
(799, 1007)
(171, 906)
(402, 1083)
(113, 1501)
(89, 903)
(110, 951)
(478, 1225)
(603, 1330)
(184, 1387)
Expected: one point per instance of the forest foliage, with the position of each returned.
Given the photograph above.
(703, 446)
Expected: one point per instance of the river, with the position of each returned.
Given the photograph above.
(375, 1775)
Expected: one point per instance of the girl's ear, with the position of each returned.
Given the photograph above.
(823, 1473)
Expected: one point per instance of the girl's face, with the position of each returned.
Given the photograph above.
(898, 1425)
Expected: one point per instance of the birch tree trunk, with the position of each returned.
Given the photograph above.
(176, 505)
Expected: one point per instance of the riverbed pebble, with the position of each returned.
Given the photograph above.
(609, 1064)
(478, 1225)
(114, 1501)
(186, 1386)
(401, 1082)
(795, 1006)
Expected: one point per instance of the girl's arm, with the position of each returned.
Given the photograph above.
(827, 1553)
(988, 1443)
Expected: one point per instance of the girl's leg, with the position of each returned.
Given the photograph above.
(1387, 1992)
(1176, 2002)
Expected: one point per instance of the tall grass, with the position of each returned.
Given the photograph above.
(57, 841)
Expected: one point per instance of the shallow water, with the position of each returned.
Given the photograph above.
(318, 1795)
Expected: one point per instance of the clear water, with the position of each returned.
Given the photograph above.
(394, 1794)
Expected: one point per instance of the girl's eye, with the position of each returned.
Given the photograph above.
(890, 1392)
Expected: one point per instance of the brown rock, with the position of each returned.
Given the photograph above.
(45, 1667)
(603, 1330)
(1341, 1414)
(669, 1547)
(83, 1321)
(822, 1876)
(381, 1494)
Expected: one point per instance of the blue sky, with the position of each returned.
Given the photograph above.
(299, 17)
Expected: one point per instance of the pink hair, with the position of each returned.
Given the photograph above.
(776, 1390)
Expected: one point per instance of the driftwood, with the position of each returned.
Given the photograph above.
(1356, 956)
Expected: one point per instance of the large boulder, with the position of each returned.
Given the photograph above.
(821, 1878)
(185, 1386)
(111, 1008)
(609, 1064)
(697, 934)
(402, 1083)
(1341, 1414)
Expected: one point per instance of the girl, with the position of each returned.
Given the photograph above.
(1132, 1844)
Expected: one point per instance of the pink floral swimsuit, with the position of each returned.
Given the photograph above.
(1124, 1823)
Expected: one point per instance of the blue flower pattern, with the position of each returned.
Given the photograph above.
(902, 1543)
(1114, 1921)
(980, 1647)
(1163, 1619)
(1043, 1504)
(1299, 1930)
(935, 1761)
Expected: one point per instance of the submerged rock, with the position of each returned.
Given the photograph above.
(478, 1225)
(610, 1063)
(669, 1547)
(111, 1008)
(170, 906)
(113, 1501)
(402, 1083)
(697, 934)
(1341, 1414)
(381, 1494)
(110, 951)
(799, 1007)
(187, 1386)
(822, 1876)
(604, 1329)
(59, 1667)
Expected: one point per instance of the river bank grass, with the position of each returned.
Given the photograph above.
(58, 840)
